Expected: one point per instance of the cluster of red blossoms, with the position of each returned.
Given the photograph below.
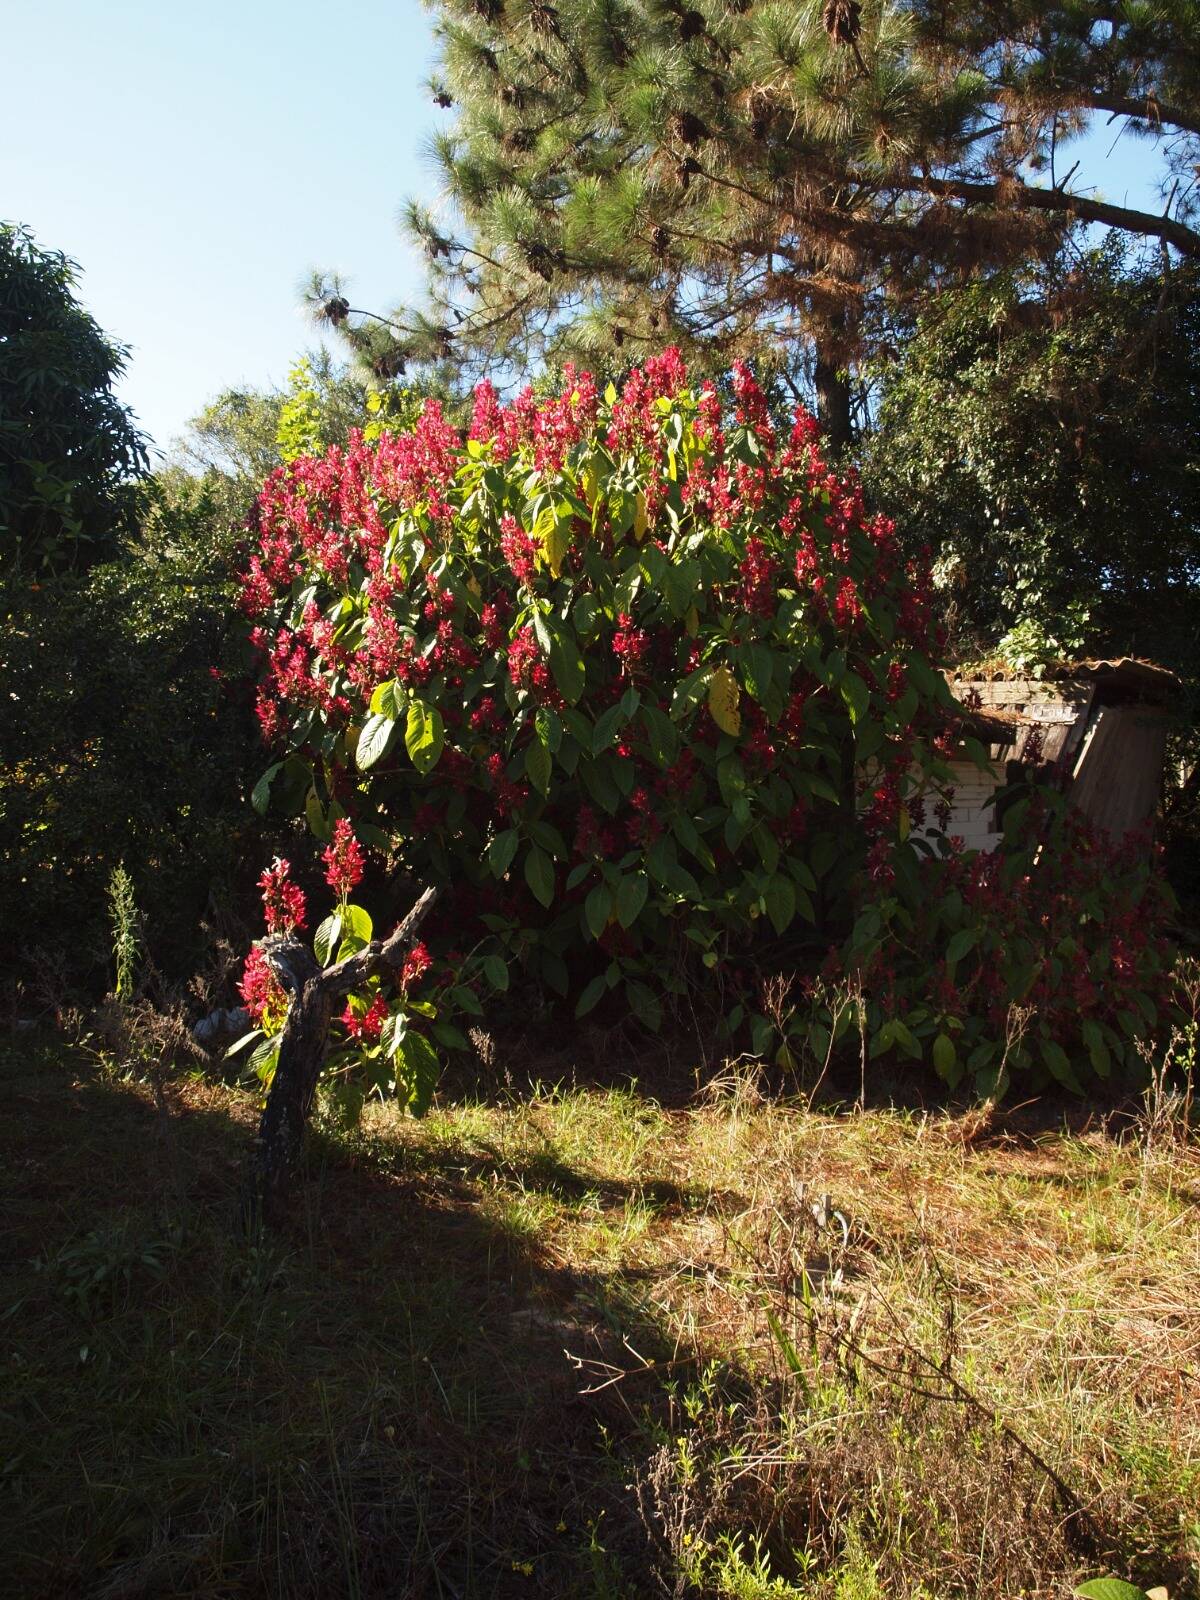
(283, 900)
(344, 862)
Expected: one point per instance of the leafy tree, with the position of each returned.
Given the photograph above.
(751, 179)
(125, 739)
(1039, 431)
(69, 450)
(242, 435)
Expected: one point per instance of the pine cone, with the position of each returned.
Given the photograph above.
(843, 20)
(688, 127)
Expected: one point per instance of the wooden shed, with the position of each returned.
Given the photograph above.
(1097, 728)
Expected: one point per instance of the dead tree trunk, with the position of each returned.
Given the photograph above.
(312, 993)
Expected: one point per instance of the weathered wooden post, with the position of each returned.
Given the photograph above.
(311, 994)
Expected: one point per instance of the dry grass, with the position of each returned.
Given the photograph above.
(577, 1344)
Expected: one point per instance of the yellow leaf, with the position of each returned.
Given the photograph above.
(641, 520)
(473, 585)
(556, 541)
(591, 482)
(693, 621)
(723, 701)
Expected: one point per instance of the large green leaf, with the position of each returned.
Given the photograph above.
(1110, 1589)
(325, 940)
(597, 909)
(537, 766)
(539, 875)
(260, 795)
(424, 735)
(416, 1072)
(375, 740)
(631, 898)
(781, 901)
(501, 851)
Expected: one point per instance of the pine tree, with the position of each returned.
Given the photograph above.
(754, 178)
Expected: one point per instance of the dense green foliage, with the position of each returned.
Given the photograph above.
(68, 448)
(651, 698)
(1040, 434)
(122, 740)
(640, 691)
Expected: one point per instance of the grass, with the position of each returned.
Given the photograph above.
(579, 1344)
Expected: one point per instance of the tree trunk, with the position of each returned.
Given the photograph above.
(312, 992)
(833, 401)
(301, 1054)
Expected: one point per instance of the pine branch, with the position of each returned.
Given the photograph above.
(1075, 206)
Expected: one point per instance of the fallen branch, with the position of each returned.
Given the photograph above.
(311, 991)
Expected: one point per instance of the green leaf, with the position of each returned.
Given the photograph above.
(661, 735)
(607, 727)
(644, 1004)
(568, 667)
(1110, 1589)
(325, 940)
(758, 664)
(417, 1064)
(689, 692)
(357, 929)
(374, 741)
(537, 766)
(260, 795)
(945, 1060)
(549, 727)
(539, 875)
(962, 942)
(1097, 1048)
(1059, 1066)
(501, 851)
(781, 901)
(856, 695)
(631, 898)
(465, 998)
(590, 997)
(424, 735)
(495, 970)
(597, 909)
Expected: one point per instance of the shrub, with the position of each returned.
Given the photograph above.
(1042, 958)
(612, 671)
(125, 737)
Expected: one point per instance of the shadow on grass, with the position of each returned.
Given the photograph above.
(385, 1399)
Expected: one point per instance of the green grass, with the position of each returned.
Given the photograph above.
(577, 1344)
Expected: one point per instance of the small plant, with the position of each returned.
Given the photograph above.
(96, 1273)
(125, 920)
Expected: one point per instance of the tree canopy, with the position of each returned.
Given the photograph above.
(753, 179)
(1038, 430)
(69, 450)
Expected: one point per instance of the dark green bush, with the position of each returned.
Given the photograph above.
(124, 737)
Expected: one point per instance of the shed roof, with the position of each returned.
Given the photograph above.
(1132, 672)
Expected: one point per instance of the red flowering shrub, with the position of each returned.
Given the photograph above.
(1036, 959)
(610, 671)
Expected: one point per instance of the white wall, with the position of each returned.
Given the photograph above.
(971, 818)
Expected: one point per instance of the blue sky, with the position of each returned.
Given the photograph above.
(198, 161)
